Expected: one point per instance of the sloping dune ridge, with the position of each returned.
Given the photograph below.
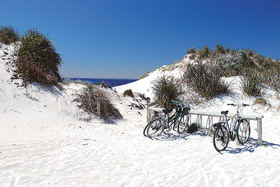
(46, 140)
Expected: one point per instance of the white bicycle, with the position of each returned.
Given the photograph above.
(224, 131)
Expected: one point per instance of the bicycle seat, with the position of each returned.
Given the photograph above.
(167, 110)
(224, 112)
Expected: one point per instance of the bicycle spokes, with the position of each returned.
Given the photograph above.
(220, 138)
(243, 131)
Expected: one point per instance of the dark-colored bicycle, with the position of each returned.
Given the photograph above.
(239, 128)
(177, 121)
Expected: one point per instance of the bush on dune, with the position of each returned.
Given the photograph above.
(204, 53)
(191, 51)
(37, 60)
(8, 35)
(165, 91)
(128, 92)
(255, 70)
(192, 128)
(252, 83)
(91, 97)
(206, 80)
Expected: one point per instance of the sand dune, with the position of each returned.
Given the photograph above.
(44, 142)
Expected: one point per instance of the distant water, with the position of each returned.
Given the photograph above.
(109, 82)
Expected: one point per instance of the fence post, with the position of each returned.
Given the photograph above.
(98, 108)
(148, 120)
(259, 121)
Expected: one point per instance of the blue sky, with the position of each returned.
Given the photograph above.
(127, 38)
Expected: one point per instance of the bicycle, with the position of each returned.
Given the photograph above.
(179, 121)
(239, 128)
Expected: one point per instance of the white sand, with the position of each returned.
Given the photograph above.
(44, 142)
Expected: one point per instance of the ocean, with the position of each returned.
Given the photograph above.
(109, 82)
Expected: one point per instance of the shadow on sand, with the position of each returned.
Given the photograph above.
(170, 136)
(250, 146)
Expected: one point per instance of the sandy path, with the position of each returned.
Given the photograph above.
(110, 155)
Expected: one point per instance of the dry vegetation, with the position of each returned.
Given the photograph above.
(256, 70)
(91, 97)
(166, 90)
(36, 57)
(8, 35)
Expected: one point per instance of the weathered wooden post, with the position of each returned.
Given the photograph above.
(149, 114)
(259, 123)
(98, 108)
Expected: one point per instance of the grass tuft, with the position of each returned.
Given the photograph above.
(252, 84)
(206, 80)
(128, 93)
(91, 97)
(8, 35)
(37, 60)
(192, 128)
(165, 91)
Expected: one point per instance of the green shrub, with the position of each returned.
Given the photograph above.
(165, 90)
(206, 80)
(191, 50)
(89, 100)
(8, 35)
(270, 72)
(128, 93)
(38, 60)
(234, 63)
(192, 128)
(261, 101)
(227, 50)
(145, 75)
(220, 49)
(251, 83)
(250, 52)
(204, 53)
(192, 56)
(103, 84)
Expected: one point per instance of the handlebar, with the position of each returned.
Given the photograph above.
(231, 104)
(243, 104)
(182, 104)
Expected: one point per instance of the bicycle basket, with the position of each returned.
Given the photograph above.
(186, 111)
(178, 108)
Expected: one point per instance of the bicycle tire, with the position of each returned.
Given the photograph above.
(183, 123)
(243, 131)
(154, 128)
(170, 122)
(145, 129)
(221, 138)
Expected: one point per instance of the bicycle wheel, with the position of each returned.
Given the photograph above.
(220, 138)
(183, 123)
(154, 128)
(243, 131)
(145, 129)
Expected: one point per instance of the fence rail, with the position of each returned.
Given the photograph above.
(258, 117)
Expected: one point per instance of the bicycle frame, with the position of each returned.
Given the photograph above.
(237, 128)
(232, 126)
(234, 120)
(174, 117)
